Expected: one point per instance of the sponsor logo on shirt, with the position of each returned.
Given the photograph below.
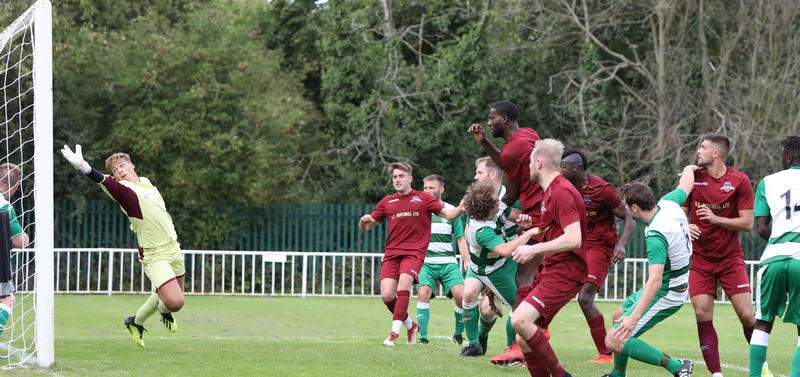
(701, 183)
(404, 214)
(393, 200)
(728, 187)
(415, 199)
(712, 206)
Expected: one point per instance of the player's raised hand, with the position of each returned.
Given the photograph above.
(694, 231)
(76, 158)
(688, 169)
(477, 132)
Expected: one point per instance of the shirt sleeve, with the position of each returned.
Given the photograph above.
(458, 228)
(487, 238)
(568, 209)
(16, 228)
(123, 195)
(610, 197)
(744, 194)
(677, 196)
(378, 214)
(511, 163)
(656, 245)
(434, 206)
(761, 207)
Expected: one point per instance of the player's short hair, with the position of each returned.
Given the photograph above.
(404, 166)
(638, 193)
(791, 145)
(480, 200)
(508, 109)
(490, 165)
(114, 158)
(434, 177)
(721, 141)
(584, 162)
(549, 150)
(11, 174)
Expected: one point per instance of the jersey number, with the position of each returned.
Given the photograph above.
(789, 208)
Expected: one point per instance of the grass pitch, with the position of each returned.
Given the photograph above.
(315, 336)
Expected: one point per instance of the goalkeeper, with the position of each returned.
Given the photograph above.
(159, 250)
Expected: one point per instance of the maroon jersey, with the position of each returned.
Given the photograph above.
(562, 206)
(409, 222)
(600, 198)
(516, 159)
(725, 196)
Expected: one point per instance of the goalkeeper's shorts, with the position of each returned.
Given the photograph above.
(164, 266)
(7, 288)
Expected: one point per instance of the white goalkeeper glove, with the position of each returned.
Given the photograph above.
(76, 158)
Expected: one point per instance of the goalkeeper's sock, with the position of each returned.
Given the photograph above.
(458, 313)
(5, 313)
(423, 315)
(162, 308)
(147, 310)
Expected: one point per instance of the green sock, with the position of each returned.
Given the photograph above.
(639, 350)
(147, 310)
(757, 356)
(471, 322)
(423, 315)
(620, 365)
(459, 320)
(669, 363)
(795, 371)
(486, 326)
(5, 313)
(511, 335)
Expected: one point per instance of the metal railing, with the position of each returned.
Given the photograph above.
(259, 273)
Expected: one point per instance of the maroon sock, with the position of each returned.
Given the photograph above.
(401, 307)
(390, 304)
(748, 332)
(709, 345)
(597, 327)
(540, 348)
(522, 292)
(535, 365)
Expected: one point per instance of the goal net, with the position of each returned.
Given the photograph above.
(26, 140)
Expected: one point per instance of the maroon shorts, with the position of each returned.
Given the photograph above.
(731, 273)
(550, 294)
(401, 264)
(598, 260)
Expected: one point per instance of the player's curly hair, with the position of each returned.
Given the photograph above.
(480, 201)
(112, 160)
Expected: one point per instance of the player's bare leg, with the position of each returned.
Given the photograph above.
(171, 300)
(596, 323)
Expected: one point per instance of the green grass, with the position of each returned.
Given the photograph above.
(221, 336)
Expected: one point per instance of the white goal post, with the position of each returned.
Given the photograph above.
(27, 94)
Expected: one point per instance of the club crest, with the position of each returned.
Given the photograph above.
(727, 187)
(586, 199)
(415, 199)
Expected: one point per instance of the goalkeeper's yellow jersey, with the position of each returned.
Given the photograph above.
(145, 208)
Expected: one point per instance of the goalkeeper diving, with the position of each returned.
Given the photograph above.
(159, 250)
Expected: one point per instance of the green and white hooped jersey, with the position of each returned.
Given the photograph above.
(668, 241)
(482, 237)
(442, 248)
(778, 196)
(508, 228)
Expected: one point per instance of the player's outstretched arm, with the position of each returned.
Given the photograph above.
(686, 182)
(76, 160)
(505, 249)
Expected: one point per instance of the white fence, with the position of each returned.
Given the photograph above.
(257, 273)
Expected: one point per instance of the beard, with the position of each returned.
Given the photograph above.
(497, 131)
